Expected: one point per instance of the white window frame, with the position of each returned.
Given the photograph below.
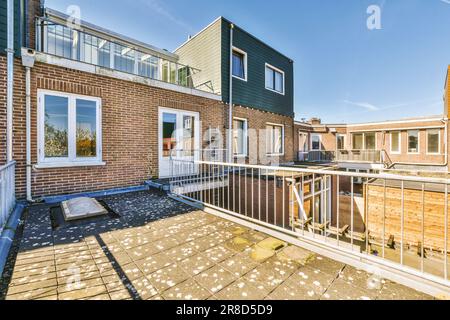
(72, 160)
(245, 64)
(364, 141)
(399, 142)
(345, 140)
(418, 141)
(277, 70)
(245, 132)
(306, 142)
(268, 152)
(311, 142)
(439, 142)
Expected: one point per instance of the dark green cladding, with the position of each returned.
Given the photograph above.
(4, 26)
(253, 92)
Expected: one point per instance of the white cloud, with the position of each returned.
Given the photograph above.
(365, 105)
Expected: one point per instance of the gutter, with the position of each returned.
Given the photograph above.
(7, 236)
(9, 81)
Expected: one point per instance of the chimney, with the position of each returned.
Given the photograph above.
(315, 121)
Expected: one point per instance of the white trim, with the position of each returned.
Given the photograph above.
(306, 142)
(418, 142)
(198, 33)
(364, 140)
(399, 142)
(70, 164)
(311, 141)
(439, 143)
(269, 154)
(398, 129)
(71, 159)
(276, 70)
(245, 132)
(396, 122)
(245, 64)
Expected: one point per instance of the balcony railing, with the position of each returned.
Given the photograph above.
(62, 41)
(7, 192)
(370, 156)
(381, 222)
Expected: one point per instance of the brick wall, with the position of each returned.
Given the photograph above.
(129, 128)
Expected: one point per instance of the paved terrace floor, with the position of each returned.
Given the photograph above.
(162, 249)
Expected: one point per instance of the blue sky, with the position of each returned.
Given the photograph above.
(344, 72)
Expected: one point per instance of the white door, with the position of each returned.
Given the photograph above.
(179, 136)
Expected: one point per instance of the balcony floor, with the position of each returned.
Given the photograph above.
(162, 249)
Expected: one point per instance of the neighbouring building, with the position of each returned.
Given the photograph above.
(105, 107)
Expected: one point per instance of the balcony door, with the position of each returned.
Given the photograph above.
(179, 137)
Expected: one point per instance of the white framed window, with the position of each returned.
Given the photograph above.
(316, 142)
(239, 66)
(413, 142)
(303, 145)
(396, 142)
(240, 137)
(364, 141)
(275, 139)
(274, 79)
(433, 141)
(340, 142)
(69, 129)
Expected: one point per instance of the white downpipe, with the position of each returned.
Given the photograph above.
(230, 111)
(28, 132)
(10, 83)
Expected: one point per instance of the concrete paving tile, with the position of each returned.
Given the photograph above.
(395, 291)
(32, 278)
(196, 264)
(290, 290)
(260, 254)
(361, 279)
(312, 278)
(272, 244)
(340, 290)
(65, 270)
(101, 297)
(51, 283)
(131, 271)
(168, 277)
(17, 274)
(219, 254)
(82, 276)
(242, 289)
(215, 279)
(154, 263)
(83, 293)
(239, 264)
(238, 244)
(144, 288)
(181, 252)
(254, 236)
(326, 265)
(31, 261)
(141, 252)
(33, 294)
(188, 290)
(71, 284)
(297, 254)
(122, 294)
(205, 243)
(165, 244)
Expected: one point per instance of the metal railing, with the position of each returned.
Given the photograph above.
(63, 41)
(372, 156)
(7, 192)
(398, 222)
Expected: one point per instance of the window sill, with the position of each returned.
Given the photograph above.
(239, 78)
(275, 155)
(275, 91)
(70, 164)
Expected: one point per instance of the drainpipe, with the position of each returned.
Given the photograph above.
(28, 57)
(230, 111)
(10, 79)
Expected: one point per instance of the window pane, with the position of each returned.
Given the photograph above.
(86, 134)
(238, 65)
(104, 53)
(357, 142)
(433, 141)
(278, 137)
(340, 142)
(56, 127)
(169, 138)
(279, 82)
(239, 137)
(269, 78)
(413, 141)
(315, 142)
(188, 136)
(123, 59)
(395, 140)
(303, 142)
(370, 141)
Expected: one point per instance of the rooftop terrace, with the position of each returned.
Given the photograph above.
(162, 249)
